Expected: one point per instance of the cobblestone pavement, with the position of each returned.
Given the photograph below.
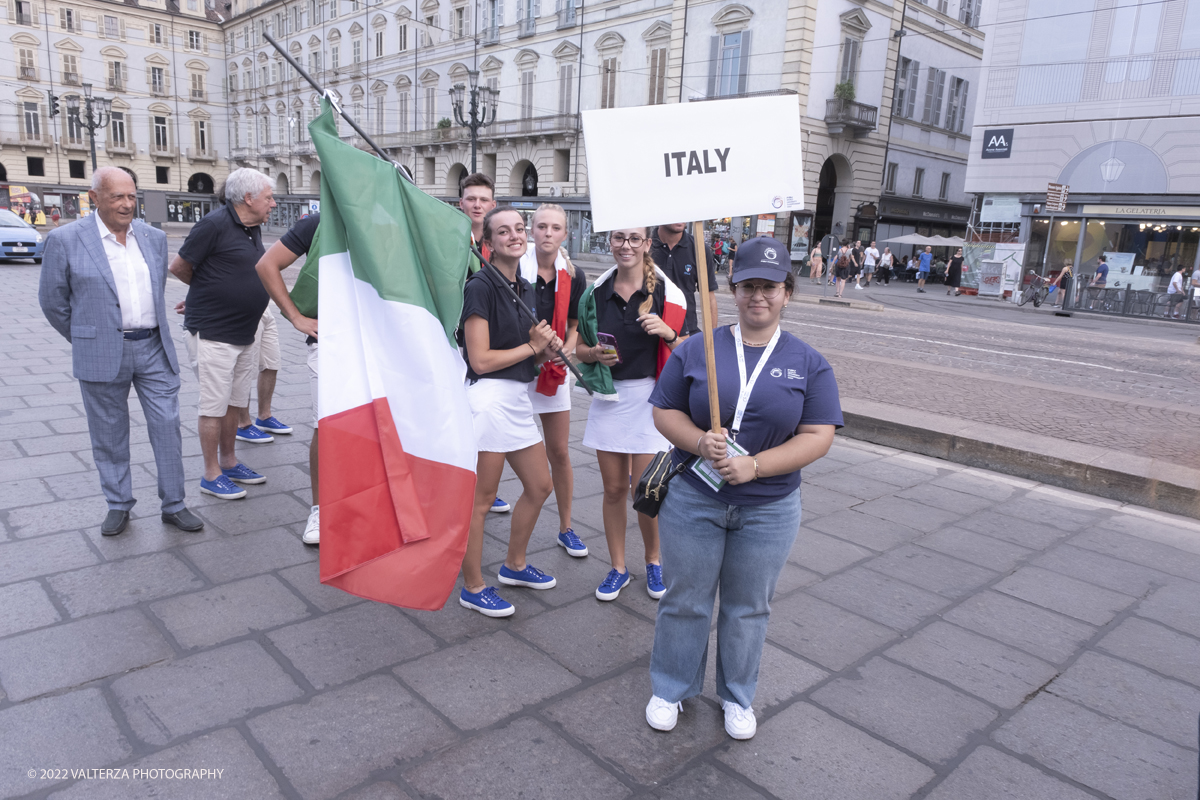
(939, 632)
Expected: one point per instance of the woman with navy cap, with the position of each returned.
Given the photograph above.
(730, 530)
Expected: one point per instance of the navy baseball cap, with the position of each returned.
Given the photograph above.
(761, 257)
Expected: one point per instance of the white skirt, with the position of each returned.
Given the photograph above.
(625, 425)
(561, 401)
(502, 415)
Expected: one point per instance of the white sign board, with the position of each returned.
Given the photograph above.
(991, 278)
(1001, 208)
(680, 162)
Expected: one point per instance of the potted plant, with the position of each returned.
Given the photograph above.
(844, 91)
(444, 128)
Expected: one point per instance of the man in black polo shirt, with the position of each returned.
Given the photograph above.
(223, 307)
(674, 251)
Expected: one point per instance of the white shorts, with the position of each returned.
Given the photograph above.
(267, 341)
(561, 401)
(502, 415)
(312, 380)
(225, 372)
(627, 424)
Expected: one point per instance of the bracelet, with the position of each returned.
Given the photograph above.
(672, 340)
(756, 468)
(531, 348)
(698, 441)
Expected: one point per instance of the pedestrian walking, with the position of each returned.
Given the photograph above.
(1099, 279)
(281, 255)
(625, 341)
(923, 269)
(558, 285)
(954, 273)
(885, 267)
(674, 251)
(102, 287)
(781, 401)
(816, 265)
(870, 258)
(857, 259)
(1176, 293)
(842, 268)
(502, 353)
(224, 305)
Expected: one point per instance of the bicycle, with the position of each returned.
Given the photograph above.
(1037, 291)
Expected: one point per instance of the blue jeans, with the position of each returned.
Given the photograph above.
(707, 545)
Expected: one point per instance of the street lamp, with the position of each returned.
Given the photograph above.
(481, 111)
(90, 118)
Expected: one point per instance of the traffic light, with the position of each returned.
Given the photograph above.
(53, 104)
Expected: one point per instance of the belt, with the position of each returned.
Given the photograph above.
(140, 333)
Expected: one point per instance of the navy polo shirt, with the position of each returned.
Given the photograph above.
(619, 318)
(679, 264)
(485, 296)
(546, 293)
(796, 388)
(226, 299)
(299, 237)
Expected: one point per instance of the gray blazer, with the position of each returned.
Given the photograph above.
(78, 295)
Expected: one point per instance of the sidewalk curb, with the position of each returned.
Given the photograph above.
(1114, 475)
(861, 305)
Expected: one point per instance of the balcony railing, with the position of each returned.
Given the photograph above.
(120, 148)
(526, 27)
(162, 150)
(199, 95)
(841, 114)
(567, 17)
(70, 78)
(29, 73)
(490, 35)
(25, 138)
(766, 93)
(73, 144)
(196, 154)
(504, 129)
(242, 153)
(303, 149)
(158, 89)
(116, 85)
(24, 18)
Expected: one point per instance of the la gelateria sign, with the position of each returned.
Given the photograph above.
(1142, 212)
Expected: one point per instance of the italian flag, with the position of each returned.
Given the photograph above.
(397, 455)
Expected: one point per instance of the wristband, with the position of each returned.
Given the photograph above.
(531, 348)
(756, 469)
(698, 441)
(673, 339)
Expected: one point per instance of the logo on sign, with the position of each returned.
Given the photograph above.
(777, 202)
(997, 143)
(776, 373)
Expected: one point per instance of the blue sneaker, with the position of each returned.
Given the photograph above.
(654, 584)
(243, 474)
(571, 543)
(613, 584)
(499, 506)
(531, 577)
(253, 434)
(486, 602)
(272, 425)
(221, 487)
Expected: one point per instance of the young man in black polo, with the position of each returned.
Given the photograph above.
(224, 304)
(674, 251)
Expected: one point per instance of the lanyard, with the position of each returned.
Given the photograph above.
(748, 386)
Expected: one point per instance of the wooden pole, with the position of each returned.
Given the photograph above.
(706, 327)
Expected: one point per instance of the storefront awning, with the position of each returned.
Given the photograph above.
(935, 241)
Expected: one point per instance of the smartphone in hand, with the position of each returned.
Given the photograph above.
(608, 344)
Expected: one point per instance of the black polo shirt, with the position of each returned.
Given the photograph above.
(679, 264)
(614, 316)
(484, 296)
(226, 299)
(546, 292)
(299, 239)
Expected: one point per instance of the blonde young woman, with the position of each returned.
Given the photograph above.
(816, 265)
(629, 321)
(502, 354)
(558, 285)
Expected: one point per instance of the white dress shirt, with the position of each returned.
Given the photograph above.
(132, 277)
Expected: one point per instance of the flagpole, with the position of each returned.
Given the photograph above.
(328, 95)
(489, 265)
(706, 328)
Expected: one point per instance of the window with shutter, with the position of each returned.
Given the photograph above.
(566, 86)
(430, 107)
(730, 60)
(161, 135)
(918, 182)
(944, 190)
(378, 115)
(850, 50)
(117, 129)
(202, 136)
(889, 186)
(658, 75)
(402, 38)
(33, 121)
(934, 87)
(402, 111)
(608, 83)
(378, 44)
(527, 94)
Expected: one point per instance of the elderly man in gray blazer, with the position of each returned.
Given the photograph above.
(102, 286)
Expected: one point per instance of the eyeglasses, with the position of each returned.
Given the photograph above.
(618, 241)
(769, 290)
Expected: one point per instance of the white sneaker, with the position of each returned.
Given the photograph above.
(856, 286)
(739, 722)
(312, 531)
(662, 715)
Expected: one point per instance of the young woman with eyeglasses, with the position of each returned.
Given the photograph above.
(781, 402)
(629, 321)
(502, 353)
